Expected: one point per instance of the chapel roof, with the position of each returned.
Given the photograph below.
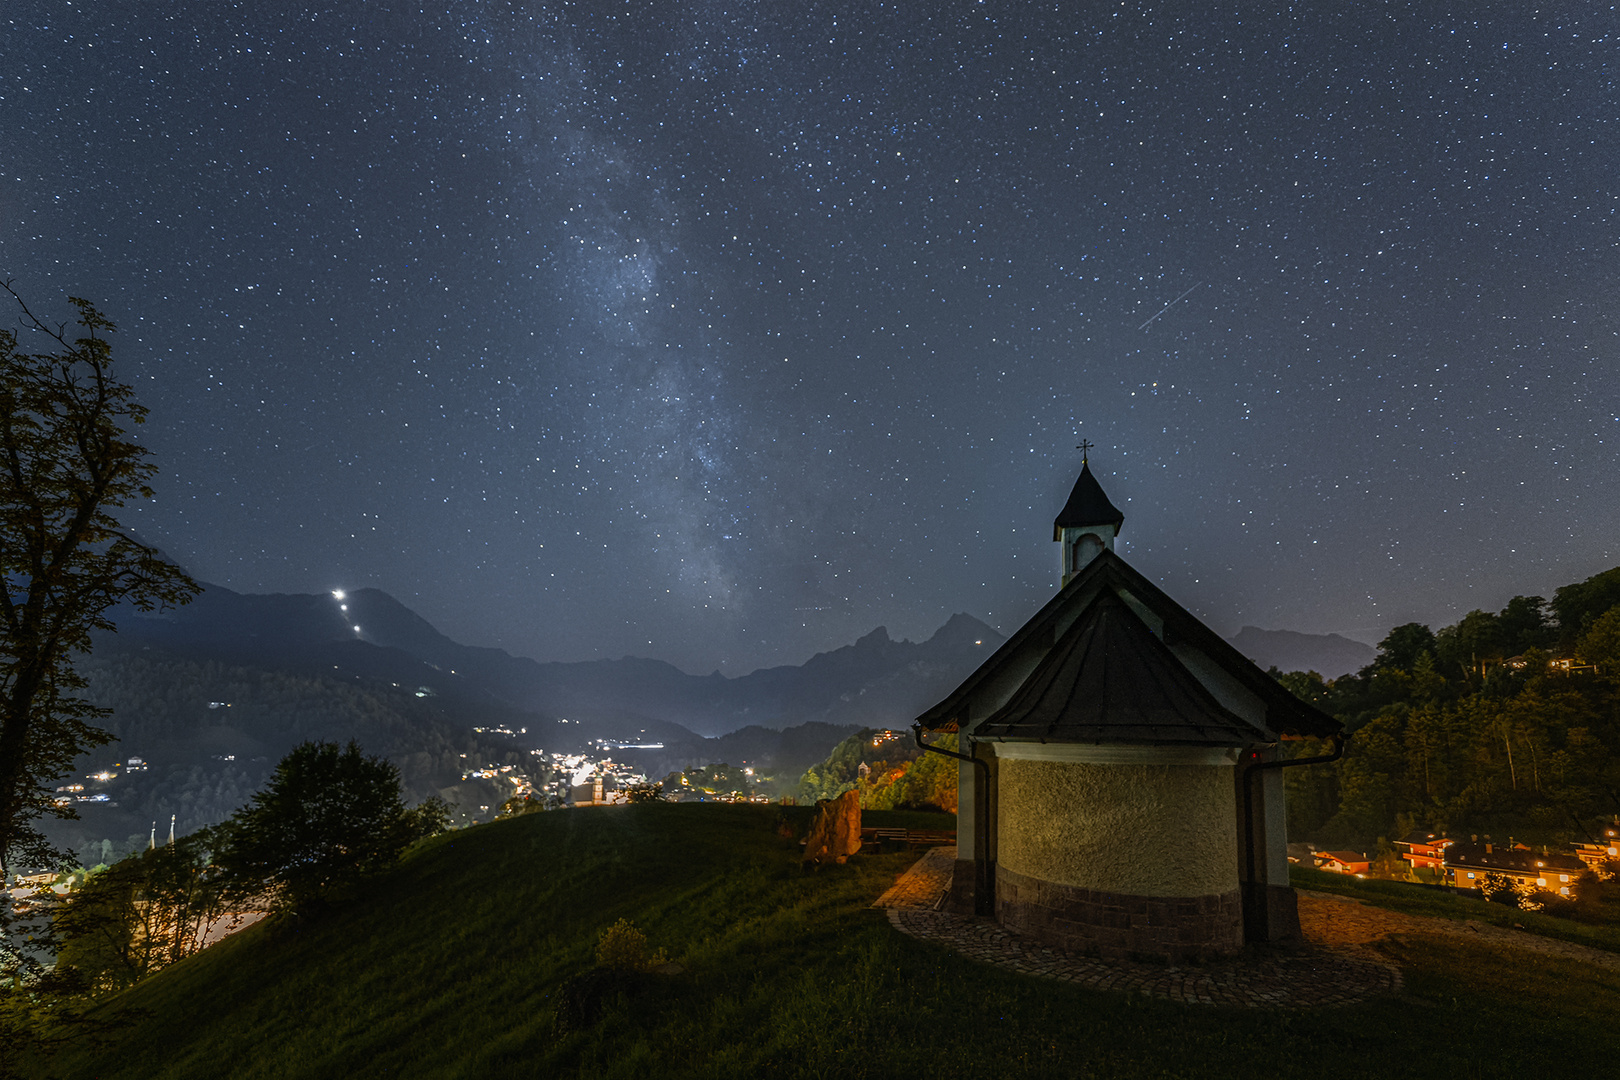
(1109, 680)
(1087, 505)
(1285, 714)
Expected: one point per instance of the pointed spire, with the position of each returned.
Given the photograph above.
(1088, 522)
(1087, 505)
(151, 843)
(171, 829)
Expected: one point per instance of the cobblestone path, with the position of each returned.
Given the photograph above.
(924, 885)
(1339, 971)
(1336, 966)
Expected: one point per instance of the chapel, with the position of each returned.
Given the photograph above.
(1121, 789)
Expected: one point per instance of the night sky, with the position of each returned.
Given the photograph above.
(726, 332)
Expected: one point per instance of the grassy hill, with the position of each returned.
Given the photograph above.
(452, 966)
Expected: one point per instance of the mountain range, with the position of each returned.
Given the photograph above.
(1329, 655)
(211, 695)
(206, 698)
(875, 682)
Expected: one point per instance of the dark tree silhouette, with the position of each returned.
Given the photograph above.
(1402, 646)
(66, 464)
(142, 914)
(328, 817)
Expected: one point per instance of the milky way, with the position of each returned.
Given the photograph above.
(725, 332)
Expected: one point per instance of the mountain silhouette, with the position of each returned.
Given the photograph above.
(875, 682)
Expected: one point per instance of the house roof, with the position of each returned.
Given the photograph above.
(1087, 505)
(1604, 832)
(1286, 714)
(1501, 857)
(1345, 856)
(1109, 680)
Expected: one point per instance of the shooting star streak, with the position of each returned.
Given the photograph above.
(1168, 306)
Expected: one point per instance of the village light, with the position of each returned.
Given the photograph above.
(337, 594)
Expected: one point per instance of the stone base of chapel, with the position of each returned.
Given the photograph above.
(1270, 912)
(1118, 925)
(959, 897)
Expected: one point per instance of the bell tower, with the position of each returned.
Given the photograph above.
(1088, 522)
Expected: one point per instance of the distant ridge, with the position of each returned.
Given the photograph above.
(1329, 655)
(213, 694)
(874, 682)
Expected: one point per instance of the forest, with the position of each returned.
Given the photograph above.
(1505, 723)
(889, 772)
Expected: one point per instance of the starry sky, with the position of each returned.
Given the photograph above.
(724, 332)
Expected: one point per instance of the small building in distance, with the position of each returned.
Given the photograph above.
(597, 791)
(1121, 791)
(1425, 851)
(1468, 862)
(1344, 862)
(1601, 853)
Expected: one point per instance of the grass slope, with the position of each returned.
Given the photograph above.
(1417, 900)
(451, 966)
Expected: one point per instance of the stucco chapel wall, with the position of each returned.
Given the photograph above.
(1157, 830)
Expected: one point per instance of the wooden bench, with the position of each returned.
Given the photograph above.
(910, 837)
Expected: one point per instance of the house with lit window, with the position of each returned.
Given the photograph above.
(1344, 862)
(1603, 848)
(1425, 851)
(1466, 865)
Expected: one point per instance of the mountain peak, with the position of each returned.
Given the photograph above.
(1329, 655)
(876, 638)
(963, 629)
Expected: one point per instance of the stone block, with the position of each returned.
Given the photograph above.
(1120, 925)
(835, 832)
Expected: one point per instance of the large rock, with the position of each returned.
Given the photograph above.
(835, 833)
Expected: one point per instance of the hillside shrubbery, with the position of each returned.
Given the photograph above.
(898, 776)
(329, 818)
(1474, 728)
(465, 960)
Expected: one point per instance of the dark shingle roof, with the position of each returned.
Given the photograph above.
(1501, 857)
(1109, 680)
(1285, 713)
(1087, 505)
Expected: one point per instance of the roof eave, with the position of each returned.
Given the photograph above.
(945, 712)
(1293, 716)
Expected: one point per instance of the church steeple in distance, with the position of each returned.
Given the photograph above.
(1088, 522)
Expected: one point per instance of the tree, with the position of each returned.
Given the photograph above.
(139, 915)
(1524, 624)
(518, 805)
(65, 466)
(1578, 604)
(328, 818)
(1470, 643)
(1402, 646)
(1600, 644)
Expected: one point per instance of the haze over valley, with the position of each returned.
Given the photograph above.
(211, 695)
